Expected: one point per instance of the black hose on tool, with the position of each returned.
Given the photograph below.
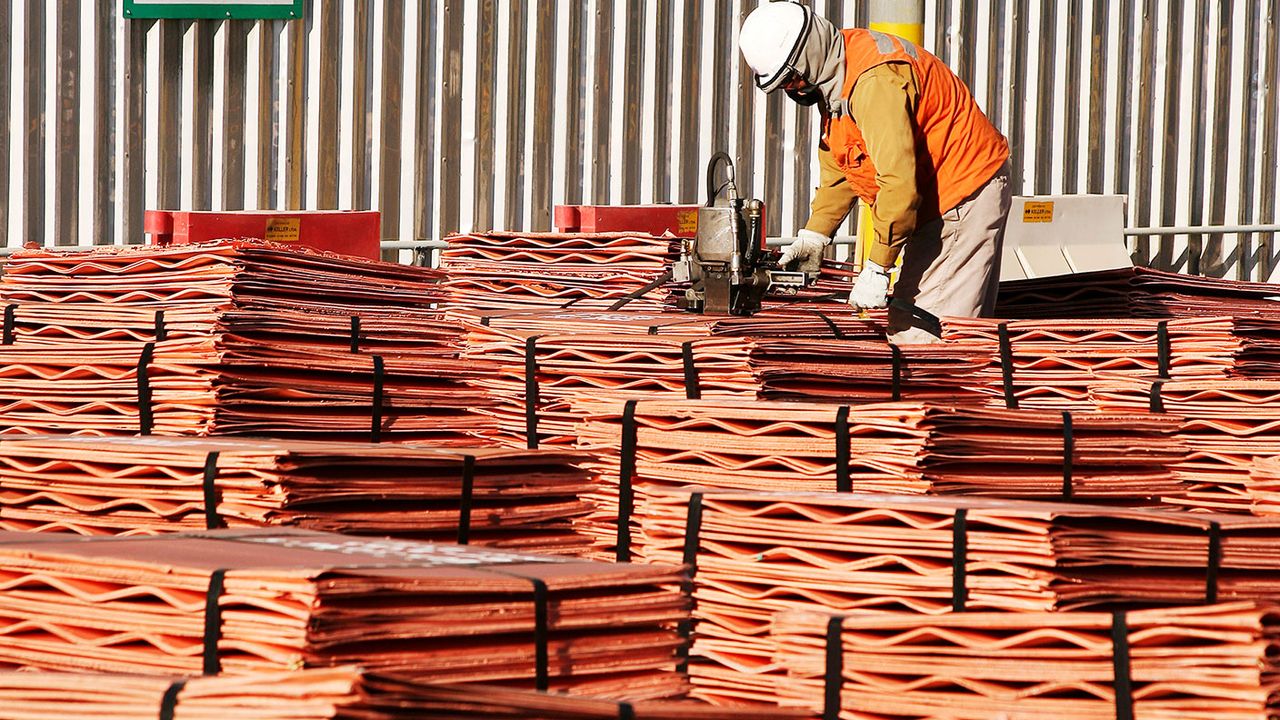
(712, 190)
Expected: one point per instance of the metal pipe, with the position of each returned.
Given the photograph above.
(1199, 229)
(904, 18)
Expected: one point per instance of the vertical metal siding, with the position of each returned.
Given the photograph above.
(481, 113)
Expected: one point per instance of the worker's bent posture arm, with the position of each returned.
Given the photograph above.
(883, 104)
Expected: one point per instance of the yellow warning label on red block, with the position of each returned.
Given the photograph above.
(1037, 212)
(283, 230)
(687, 222)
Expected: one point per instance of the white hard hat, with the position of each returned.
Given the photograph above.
(771, 39)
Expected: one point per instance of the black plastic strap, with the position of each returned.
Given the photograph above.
(835, 329)
(626, 483)
(692, 389)
(531, 392)
(653, 329)
(146, 420)
(1164, 350)
(161, 332)
(169, 702)
(573, 302)
(833, 681)
(1156, 398)
(484, 320)
(896, 353)
(541, 628)
(844, 483)
(1123, 668)
(213, 622)
(653, 285)
(1068, 455)
(355, 333)
(1006, 365)
(10, 320)
(1214, 565)
(959, 560)
(375, 414)
(465, 499)
(692, 544)
(626, 711)
(212, 521)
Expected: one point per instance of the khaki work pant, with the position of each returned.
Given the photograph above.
(951, 267)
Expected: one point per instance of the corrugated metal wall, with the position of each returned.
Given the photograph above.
(459, 114)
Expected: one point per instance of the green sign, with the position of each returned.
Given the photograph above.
(196, 9)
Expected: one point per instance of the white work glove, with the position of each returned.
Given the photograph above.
(807, 249)
(871, 290)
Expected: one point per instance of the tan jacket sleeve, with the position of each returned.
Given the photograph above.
(833, 199)
(883, 104)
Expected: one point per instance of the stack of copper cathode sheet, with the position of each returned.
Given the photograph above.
(231, 337)
(1209, 662)
(794, 322)
(1051, 364)
(1226, 425)
(1264, 484)
(1135, 292)
(907, 448)
(505, 270)
(337, 693)
(250, 601)
(541, 375)
(524, 499)
(758, 554)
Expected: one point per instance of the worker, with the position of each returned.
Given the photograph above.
(902, 132)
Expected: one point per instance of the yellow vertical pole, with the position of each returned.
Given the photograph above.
(904, 18)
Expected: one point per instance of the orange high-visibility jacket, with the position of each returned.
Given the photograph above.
(963, 148)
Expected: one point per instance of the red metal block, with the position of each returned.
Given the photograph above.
(679, 220)
(355, 233)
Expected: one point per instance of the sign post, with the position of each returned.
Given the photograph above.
(227, 9)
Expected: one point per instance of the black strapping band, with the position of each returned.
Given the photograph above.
(692, 389)
(541, 631)
(531, 392)
(835, 329)
(692, 544)
(1123, 668)
(375, 414)
(844, 483)
(1156, 397)
(626, 711)
(484, 320)
(1006, 365)
(833, 681)
(573, 302)
(626, 483)
(161, 332)
(896, 354)
(959, 560)
(1214, 564)
(541, 627)
(169, 702)
(10, 320)
(212, 521)
(355, 333)
(146, 420)
(639, 292)
(653, 329)
(464, 501)
(1068, 455)
(1164, 350)
(213, 622)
